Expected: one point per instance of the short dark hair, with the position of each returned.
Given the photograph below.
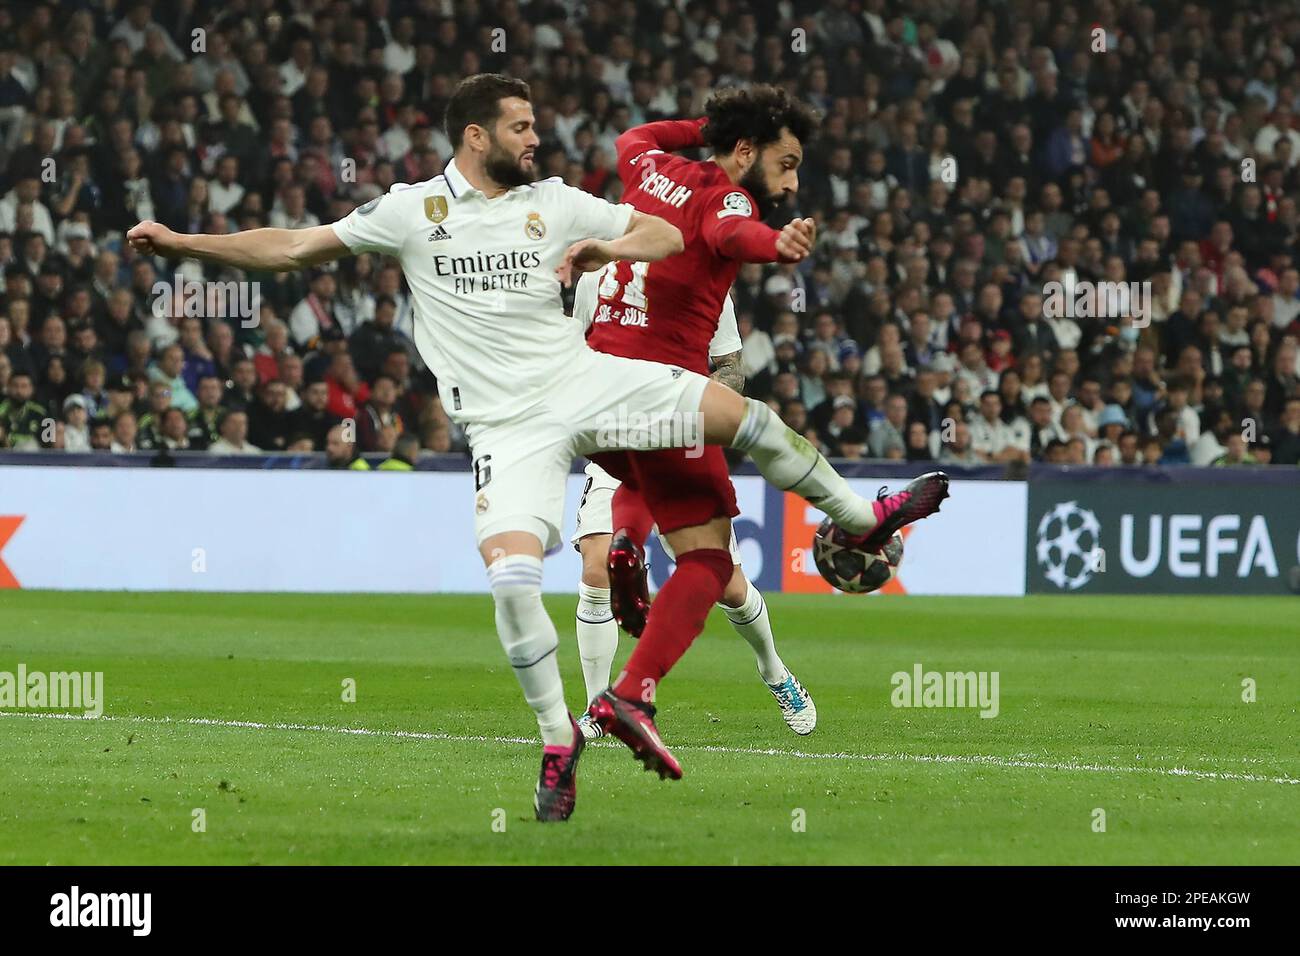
(476, 100)
(757, 112)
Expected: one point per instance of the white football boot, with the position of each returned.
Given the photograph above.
(797, 705)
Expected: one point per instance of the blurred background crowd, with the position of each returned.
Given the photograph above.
(968, 153)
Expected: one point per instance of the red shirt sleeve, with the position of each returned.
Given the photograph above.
(730, 228)
(666, 136)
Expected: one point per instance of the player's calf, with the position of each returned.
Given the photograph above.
(596, 628)
(529, 639)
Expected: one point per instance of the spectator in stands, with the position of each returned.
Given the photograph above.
(169, 370)
(886, 437)
(314, 314)
(405, 452)
(958, 450)
(149, 424)
(125, 430)
(341, 450)
(314, 419)
(76, 424)
(372, 342)
(269, 422)
(234, 435)
(347, 390)
(378, 425)
(1285, 442)
(20, 416)
(995, 440)
(241, 389)
(173, 433)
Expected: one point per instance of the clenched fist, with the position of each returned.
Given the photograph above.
(153, 238)
(795, 243)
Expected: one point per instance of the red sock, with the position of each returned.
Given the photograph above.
(676, 619)
(629, 510)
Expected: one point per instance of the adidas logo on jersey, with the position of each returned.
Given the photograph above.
(439, 233)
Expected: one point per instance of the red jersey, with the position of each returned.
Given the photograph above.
(667, 311)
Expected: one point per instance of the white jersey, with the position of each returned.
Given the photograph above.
(725, 340)
(489, 321)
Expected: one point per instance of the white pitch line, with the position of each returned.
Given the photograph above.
(977, 760)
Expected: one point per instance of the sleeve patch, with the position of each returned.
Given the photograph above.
(736, 204)
(367, 208)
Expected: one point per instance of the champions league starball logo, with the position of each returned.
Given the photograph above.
(1069, 539)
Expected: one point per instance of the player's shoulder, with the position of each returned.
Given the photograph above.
(400, 195)
(553, 191)
(438, 185)
(552, 187)
(726, 199)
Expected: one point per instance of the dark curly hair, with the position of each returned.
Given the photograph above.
(759, 113)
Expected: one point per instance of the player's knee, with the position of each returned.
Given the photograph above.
(758, 425)
(526, 630)
(715, 561)
(723, 411)
(737, 590)
(595, 556)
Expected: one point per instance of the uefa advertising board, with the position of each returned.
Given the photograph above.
(241, 529)
(308, 530)
(1092, 537)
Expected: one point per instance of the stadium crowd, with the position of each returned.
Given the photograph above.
(968, 153)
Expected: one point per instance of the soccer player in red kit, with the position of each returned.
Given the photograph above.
(667, 312)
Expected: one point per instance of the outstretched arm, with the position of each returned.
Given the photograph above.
(272, 250)
(666, 135)
(748, 240)
(647, 239)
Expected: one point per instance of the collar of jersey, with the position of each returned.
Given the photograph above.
(460, 188)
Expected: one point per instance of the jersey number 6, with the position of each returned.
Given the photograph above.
(482, 472)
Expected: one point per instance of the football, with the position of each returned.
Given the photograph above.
(850, 569)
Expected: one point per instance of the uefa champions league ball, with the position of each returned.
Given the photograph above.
(850, 569)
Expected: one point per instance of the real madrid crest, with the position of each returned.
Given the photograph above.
(481, 503)
(435, 208)
(534, 228)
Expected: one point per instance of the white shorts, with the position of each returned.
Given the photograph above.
(521, 466)
(595, 511)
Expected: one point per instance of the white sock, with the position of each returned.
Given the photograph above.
(787, 460)
(597, 638)
(752, 623)
(528, 636)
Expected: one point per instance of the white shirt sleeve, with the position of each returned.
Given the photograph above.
(584, 298)
(727, 339)
(592, 217)
(375, 226)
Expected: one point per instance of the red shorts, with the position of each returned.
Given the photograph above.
(680, 491)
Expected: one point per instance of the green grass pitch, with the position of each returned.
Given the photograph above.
(1104, 702)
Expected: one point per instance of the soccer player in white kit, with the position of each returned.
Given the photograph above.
(742, 603)
(484, 249)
